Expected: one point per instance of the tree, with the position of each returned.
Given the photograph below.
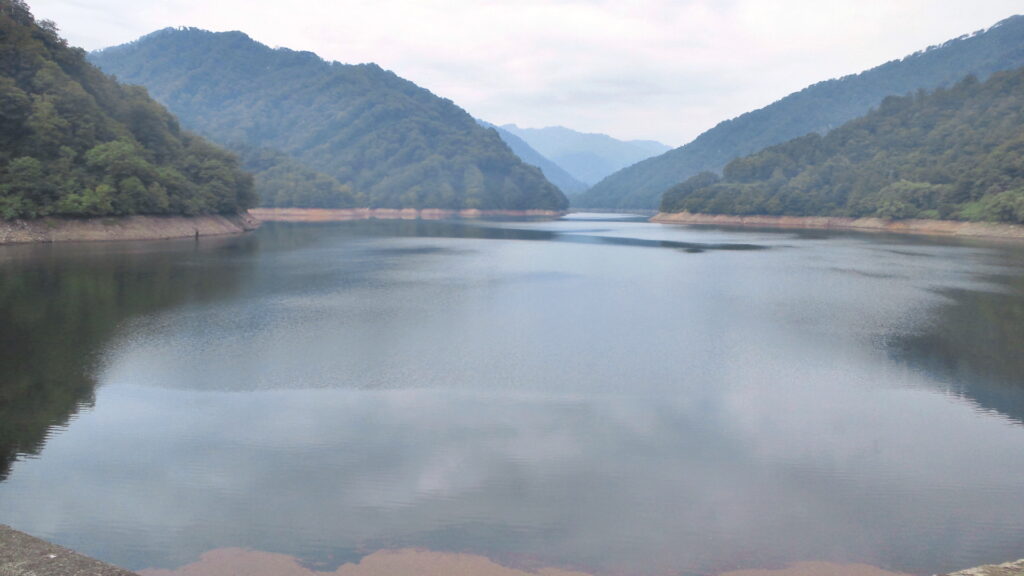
(74, 142)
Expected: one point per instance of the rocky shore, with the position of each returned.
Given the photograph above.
(1007, 569)
(341, 215)
(123, 228)
(927, 227)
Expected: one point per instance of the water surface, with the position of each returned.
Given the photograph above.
(605, 395)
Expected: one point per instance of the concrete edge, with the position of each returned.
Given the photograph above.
(24, 555)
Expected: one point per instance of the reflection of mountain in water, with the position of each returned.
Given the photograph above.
(60, 305)
(976, 347)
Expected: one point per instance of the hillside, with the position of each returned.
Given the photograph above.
(817, 108)
(587, 157)
(553, 172)
(282, 181)
(388, 141)
(956, 153)
(76, 143)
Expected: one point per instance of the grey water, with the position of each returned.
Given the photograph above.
(598, 393)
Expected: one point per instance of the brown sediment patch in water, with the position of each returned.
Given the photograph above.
(818, 569)
(342, 215)
(419, 562)
(407, 562)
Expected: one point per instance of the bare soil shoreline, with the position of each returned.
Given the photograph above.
(922, 227)
(53, 229)
(45, 230)
(343, 215)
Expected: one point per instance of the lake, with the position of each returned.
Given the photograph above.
(596, 393)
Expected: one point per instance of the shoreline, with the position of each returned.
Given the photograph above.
(632, 211)
(347, 214)
(53, 229)
(954, 228)
(24, 555)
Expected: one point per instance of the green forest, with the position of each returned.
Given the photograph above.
(282, 181)
(955, 153)
(817, 108)
(376, 139)
(74, 142)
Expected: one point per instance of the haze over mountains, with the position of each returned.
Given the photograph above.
(392, 143)
(587, 157)
(818, 108)
(553, 172)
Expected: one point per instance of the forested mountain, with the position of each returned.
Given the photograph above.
(817, 108)
(391, 142)
(956, 153)
(553, 172)
(282, 181)
(587, 157)
(74, 142)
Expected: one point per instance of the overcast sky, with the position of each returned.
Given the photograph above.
(660, 69)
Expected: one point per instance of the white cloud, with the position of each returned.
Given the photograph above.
(659, 69)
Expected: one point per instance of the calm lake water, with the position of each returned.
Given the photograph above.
(603, 394)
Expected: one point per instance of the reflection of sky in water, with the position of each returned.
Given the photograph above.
(612, 407)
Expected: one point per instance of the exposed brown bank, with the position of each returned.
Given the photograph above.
(123, 228)
(927, 227)
(341, 215)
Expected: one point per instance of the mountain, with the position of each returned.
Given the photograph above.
(553, 172)
(76, 143)
(817, 108)
(587, 157)
(392, 143)
(283, 181)
(956, 153)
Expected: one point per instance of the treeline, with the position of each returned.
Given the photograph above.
(282, 181)
(73, 142)
(392, 143)
(818, 108)
(955, 153)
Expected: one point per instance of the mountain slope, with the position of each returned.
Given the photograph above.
(587, 157)
(553, 172)
(395, 144)
(282, 181)
(76, 143)
(957, 153)
(817, 108)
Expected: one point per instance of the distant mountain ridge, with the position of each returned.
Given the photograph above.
(817, 108)
(553, 172)
(587, 157)
(382, 141)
